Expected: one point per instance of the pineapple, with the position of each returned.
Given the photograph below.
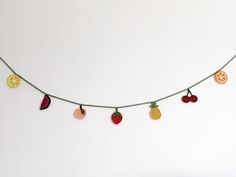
(155, 112)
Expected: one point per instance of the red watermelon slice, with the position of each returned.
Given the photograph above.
(45, 102)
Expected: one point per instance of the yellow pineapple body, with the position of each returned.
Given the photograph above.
(155, 113)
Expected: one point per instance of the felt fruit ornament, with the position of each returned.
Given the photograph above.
(192, 98)
(155, 112)
(45, 102)
(116, 117)
(221, 77)
(186, 99)
(13, 81)
(79, 113)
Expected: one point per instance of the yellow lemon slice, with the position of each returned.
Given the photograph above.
(13, 81)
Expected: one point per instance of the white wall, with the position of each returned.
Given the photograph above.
(114, 53)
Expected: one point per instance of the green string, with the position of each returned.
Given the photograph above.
(118, 107)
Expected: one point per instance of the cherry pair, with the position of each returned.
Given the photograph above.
(192, 98)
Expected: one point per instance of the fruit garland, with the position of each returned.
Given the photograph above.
(14, 81)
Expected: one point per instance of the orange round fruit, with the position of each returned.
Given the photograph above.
(79, 113)
(221, 77)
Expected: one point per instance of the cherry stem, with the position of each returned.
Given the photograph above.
(189, 92)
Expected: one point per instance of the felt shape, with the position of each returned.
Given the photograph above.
(186, 99)
(45, 102)
(79, 113)
(116, 117)
(155, 112)
(192, 98)
(13, 81)
(221, 77)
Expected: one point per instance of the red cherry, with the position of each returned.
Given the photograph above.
(185, 99)
(193, 98)
(116, 117)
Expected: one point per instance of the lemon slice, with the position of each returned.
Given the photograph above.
(13, 81)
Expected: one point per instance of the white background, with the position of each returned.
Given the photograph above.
(115, 53)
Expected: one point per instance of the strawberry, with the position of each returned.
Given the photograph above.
(116, 117)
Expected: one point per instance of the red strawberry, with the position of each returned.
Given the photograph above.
(116, 117)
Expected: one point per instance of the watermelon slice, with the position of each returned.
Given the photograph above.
(45, 102)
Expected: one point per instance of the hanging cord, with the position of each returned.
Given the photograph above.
(116, 107)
